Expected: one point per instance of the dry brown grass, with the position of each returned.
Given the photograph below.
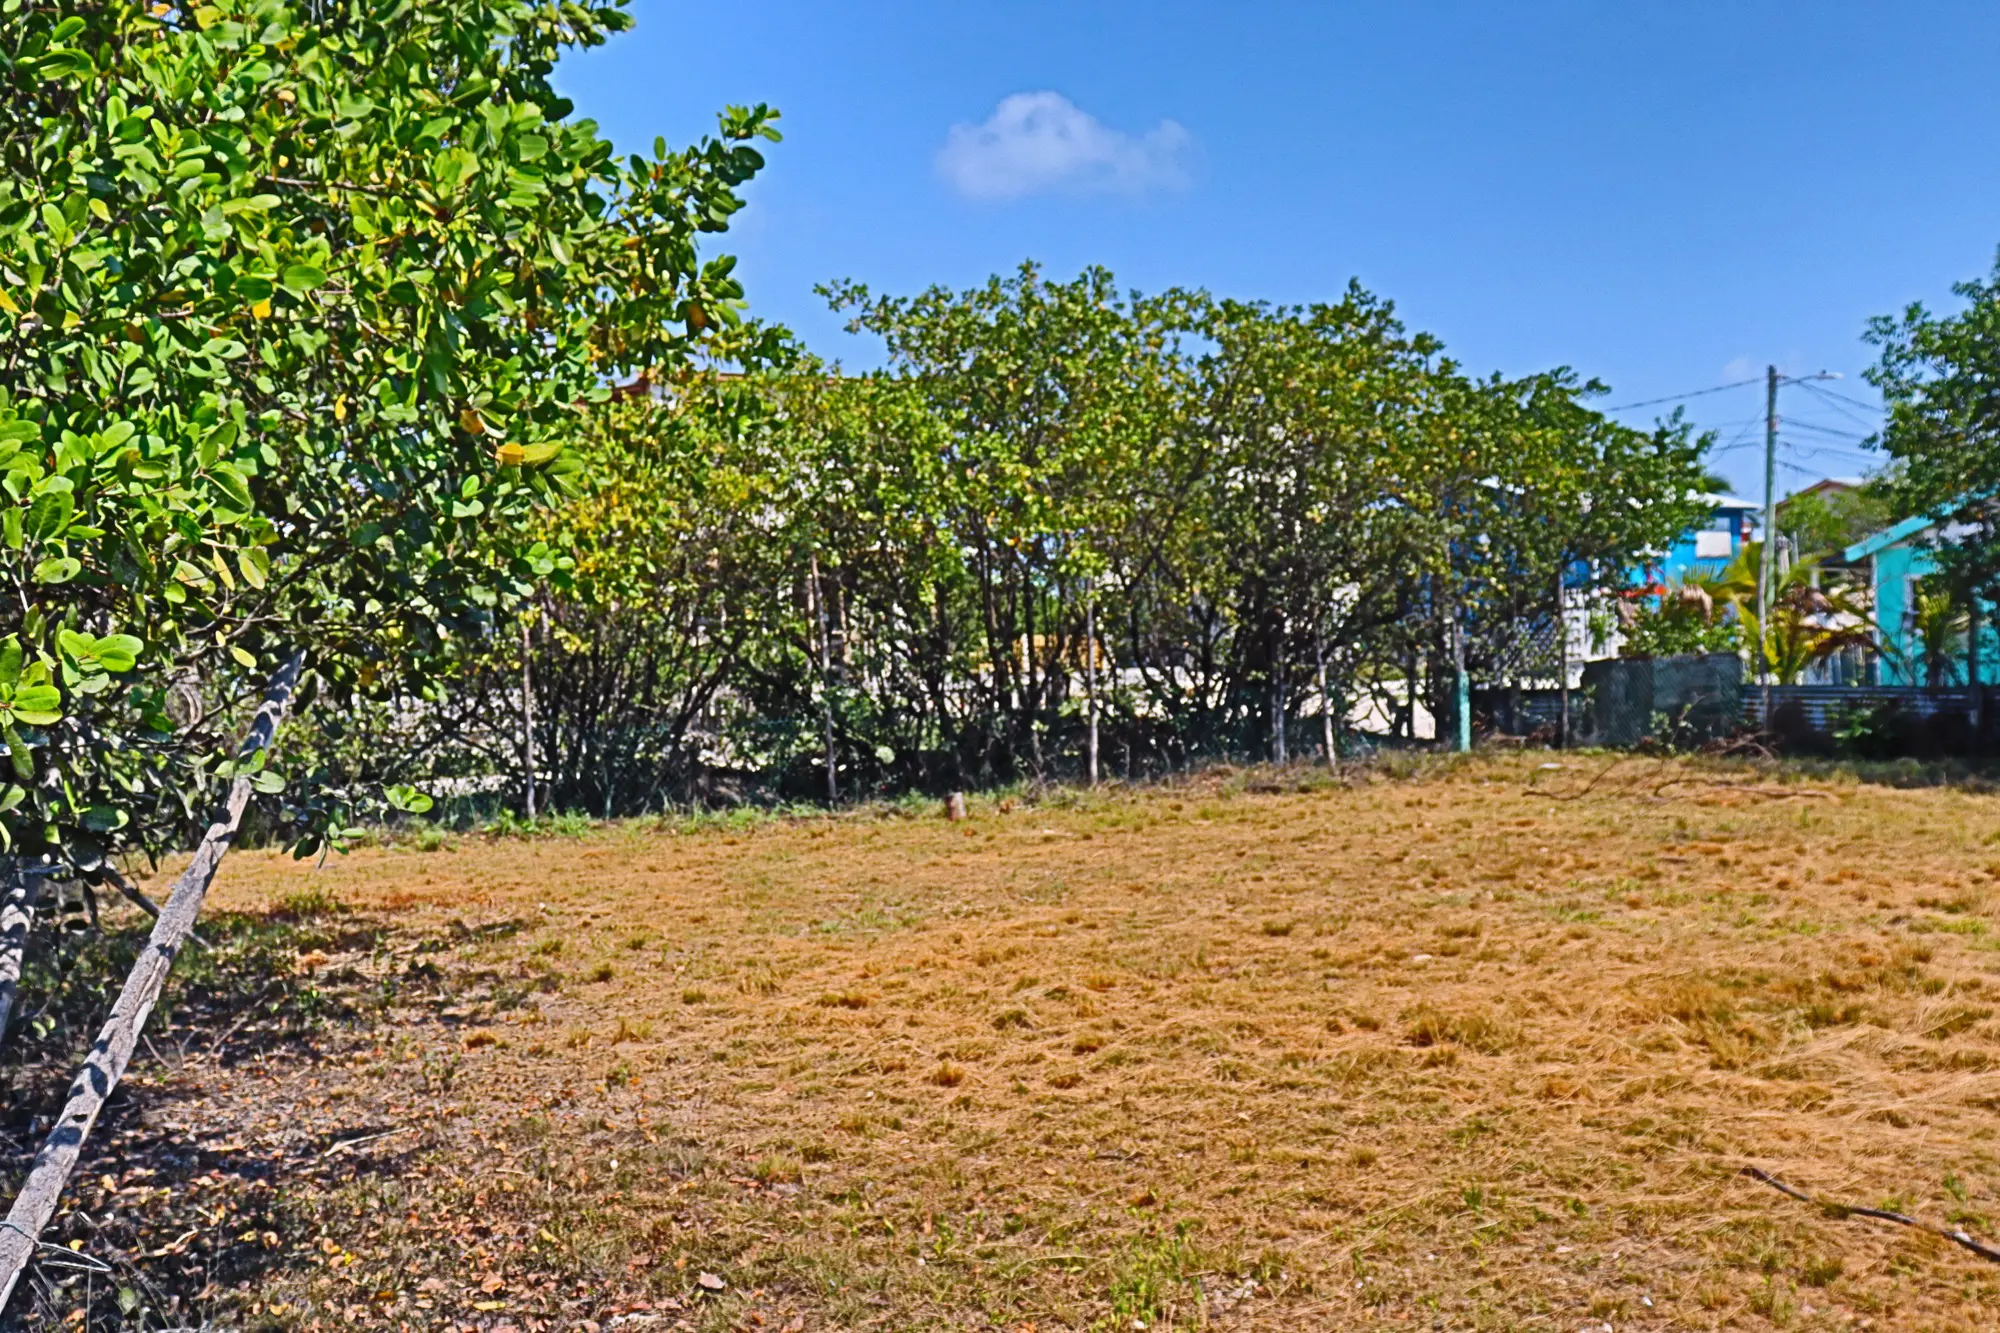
(1441, 1053)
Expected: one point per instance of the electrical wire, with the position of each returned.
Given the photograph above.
(1831, 393)
(1676, 397)
(1834, 431)
(1836, 402)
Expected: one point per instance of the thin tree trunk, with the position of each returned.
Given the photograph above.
(112, 1053)
(527, 720)
(17, 917)
(1327, 737)
(1090, 680)
(1277, 714)
(817, 595)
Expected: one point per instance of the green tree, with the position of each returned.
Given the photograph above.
(298, 310)
(1940, 380)
(1051, 395)
(1820, 525)
(1570, 497)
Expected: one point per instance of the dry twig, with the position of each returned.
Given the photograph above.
(1958, 1238)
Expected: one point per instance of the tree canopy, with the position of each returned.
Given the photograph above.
(300, 311)
(1940, 378)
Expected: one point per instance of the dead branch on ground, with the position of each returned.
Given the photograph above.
(1843, 1210)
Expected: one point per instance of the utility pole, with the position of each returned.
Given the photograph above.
(1770, 528)
(1769, 546)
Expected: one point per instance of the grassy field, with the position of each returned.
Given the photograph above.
(1488, 1047)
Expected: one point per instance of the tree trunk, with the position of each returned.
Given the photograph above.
(1278, 712)
(112, 1052)
(527, 721)
(1327, 736)
(17, 917)
(1090, 682)
(817, 595)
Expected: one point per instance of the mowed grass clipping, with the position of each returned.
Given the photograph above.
(1447, 1052)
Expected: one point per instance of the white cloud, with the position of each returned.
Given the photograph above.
(1034, 143)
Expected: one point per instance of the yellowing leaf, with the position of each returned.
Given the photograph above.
(340, 408)
(261, 309)
(510, 455)
(472, 422)
(7, 303)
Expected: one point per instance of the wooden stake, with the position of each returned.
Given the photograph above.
(112, 1052)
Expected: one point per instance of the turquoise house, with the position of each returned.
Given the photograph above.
(1897, 559)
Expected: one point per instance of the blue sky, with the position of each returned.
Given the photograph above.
(1666, 196)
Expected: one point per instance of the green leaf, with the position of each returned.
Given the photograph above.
(37, 705)
(408, 799)
(49, 514)
(105, 818)
(119, 652)
(254, 564)
(243, 655)
(268, 782)
(21, 432)
(10, 660)
(452, 168)
(303, 278)
(231, 482)
(58, 569)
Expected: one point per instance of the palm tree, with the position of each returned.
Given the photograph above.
(1808, 624)
(1940, 623)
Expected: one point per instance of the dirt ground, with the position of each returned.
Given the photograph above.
(1489, 1048)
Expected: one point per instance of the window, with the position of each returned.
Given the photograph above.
(1712, 545)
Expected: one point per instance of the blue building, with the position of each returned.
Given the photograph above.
(1705, 549)
(1897, 558)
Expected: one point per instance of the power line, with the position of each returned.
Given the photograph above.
(1676, 397)
(1866, 407)
(1834, 401)
(1823, 430)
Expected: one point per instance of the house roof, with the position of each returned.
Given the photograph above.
(1887, 537)
(1716, 500)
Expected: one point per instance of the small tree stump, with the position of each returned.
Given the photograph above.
(954, 807)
